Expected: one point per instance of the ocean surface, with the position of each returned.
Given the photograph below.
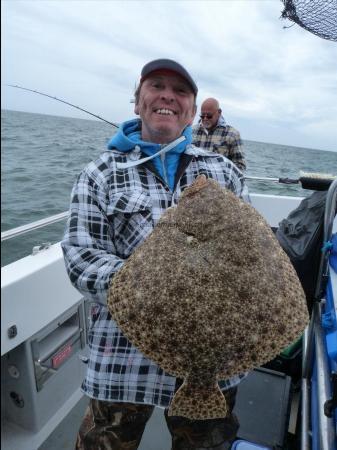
(42, 155)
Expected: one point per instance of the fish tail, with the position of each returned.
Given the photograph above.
(198, 402)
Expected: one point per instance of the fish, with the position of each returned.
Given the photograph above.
(210, 294)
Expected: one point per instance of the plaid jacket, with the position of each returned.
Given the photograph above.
(223, 139)
(112, 212)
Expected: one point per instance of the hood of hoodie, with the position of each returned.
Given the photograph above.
(129, 135)
(222, 121)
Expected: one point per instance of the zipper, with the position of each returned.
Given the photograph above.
(162, 157)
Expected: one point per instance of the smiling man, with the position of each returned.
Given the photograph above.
(165, 101)
(117, 200)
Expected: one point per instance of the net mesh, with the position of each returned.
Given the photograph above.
(317, 16)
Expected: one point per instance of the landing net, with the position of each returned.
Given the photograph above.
(317, 16)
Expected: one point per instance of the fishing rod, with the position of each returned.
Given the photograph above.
(313, 181)
(307, 180)
(62, 101)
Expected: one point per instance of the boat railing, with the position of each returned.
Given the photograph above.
(18, 231)
(318, 179)
(23, 229)
(314, 345)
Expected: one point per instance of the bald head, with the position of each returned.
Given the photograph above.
(210, 113)
(210, 103)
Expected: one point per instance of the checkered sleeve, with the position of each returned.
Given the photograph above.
(88, 248)
(235, 147)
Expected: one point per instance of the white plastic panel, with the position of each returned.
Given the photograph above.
(34, 291)
(274, 208)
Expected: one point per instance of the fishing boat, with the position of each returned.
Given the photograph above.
(288, 404)
(43, 356)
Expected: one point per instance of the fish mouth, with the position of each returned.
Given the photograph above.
(165, 112)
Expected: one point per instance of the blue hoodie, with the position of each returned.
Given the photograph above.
(129, 135)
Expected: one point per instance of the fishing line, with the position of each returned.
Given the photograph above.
(314, 181)
(62, 101)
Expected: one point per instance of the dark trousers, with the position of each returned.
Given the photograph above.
(120, 426)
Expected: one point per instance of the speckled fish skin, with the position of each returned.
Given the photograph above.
(210, 294)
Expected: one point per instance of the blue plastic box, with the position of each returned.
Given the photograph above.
(245, 445)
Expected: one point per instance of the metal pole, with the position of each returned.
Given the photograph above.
(276, 180)
(325, 424)
(18, 231)
(305, 442)
(330, 211)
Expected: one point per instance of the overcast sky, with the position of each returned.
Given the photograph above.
(274, 84)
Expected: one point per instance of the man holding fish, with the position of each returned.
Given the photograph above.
(117, 200)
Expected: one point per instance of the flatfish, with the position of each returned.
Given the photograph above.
(209, 294)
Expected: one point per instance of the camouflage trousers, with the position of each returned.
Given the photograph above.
(120, 426)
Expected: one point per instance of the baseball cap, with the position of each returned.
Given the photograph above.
(168, 64)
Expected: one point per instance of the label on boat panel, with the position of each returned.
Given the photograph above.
(61, 356)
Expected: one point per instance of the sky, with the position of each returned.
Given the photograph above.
(274, 84)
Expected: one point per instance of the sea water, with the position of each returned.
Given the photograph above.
(42, 155)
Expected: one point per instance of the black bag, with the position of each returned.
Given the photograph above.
(301, 237)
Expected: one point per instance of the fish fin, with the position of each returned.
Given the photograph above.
(198, 402)
(199, 183)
